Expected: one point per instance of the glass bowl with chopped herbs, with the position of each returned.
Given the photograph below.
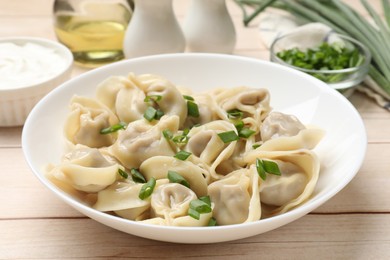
(340, 61)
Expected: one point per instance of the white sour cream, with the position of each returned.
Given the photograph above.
(27, 64)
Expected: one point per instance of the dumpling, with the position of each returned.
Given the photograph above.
(172, 101)
(142, 140)
(253, 102)
(122, 198)
(299, 174)
(277, 124)
(205, 144)
(124, 96)
(236, 197)
(86, 119)
(86, 169)
(158, 167)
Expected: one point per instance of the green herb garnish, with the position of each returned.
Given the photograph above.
(123, 173)
(228, 136)
(199, 206)
(264, 166)
(188, 98)
(192, 109)
(147, 189)
(182, 155)
(183, 138)
(235, 114)
(152, 98)
(151, 113)
(175, 177)
(113, 128)
(137, 176)
(255, 146)
(212, 222)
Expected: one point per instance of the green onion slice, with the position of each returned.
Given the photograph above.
(182, 155)
(264, 166)
(175, 177)
(123, 173)
(113, 128)
(235, 114)
(245, 132)
(153, 98)
(228, 136)
(147, 189)
(193, 213)
(137, 176)
(192, 109)
(167, 134)
(159, 114)
(150, 113)
(212, 222)
(200, 206)
(255, 146)
(188, 98)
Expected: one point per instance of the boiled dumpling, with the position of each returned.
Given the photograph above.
(85, 121)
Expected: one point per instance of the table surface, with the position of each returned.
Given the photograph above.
(34, 224)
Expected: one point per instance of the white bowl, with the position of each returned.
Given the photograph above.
(16, 102)
(341, 151)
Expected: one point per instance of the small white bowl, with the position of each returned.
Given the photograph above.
(17, 102)
(341, 152)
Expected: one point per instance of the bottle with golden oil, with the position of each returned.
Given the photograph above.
(92, 29)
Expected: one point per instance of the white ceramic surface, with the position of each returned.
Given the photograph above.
(16, 103)
(341, 151)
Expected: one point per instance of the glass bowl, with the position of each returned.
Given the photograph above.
(342, 79)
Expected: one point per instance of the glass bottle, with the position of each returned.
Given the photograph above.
(92, 29)
(153, 29)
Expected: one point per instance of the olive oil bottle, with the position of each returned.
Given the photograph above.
(92, 29)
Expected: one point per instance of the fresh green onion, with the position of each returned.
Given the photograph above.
(113, 128)
(255, 146)
(188, 98)
(235, 114)
(175, 177)
(137, 176)
(228, 136)
(123, 173)
(199, 206)
(147, 189)
(151, 113)
(167, 134)
(182, 155)
(246, 132)
(152, 98)
(212, 222)
(264, 166)
(183, 138)
(192, 109)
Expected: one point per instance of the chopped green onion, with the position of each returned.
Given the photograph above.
(147, 189)
(123, 173)
(183, 138)
(137, 176)
(255, 146)
(159, 114)
(192, 109)
(153, 98)
(239, 125)
(193, 213)
(245, 132)
(150, 113)
(212, 222)
(188, 98)
(264, 166)
(113, 128)
(271, 167)
(235, 114)
(175, 177)
(182, 155)
(167, 134)
(228, 136)
(199, 206)
(260, 169)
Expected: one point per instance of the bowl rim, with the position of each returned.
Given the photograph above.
(366, 52)
(64, 52)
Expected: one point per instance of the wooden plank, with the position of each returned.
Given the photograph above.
(356, 236)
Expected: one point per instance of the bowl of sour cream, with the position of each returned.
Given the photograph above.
(29, 68)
